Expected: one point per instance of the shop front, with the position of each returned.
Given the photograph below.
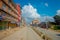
(4, 24)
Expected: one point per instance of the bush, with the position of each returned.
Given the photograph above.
(0, 27)
(57, 27)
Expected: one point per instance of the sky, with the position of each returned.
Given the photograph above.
(32, 9)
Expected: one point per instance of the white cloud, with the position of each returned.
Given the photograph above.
(58, 12)
(46, 4)
(47, 18)
(29, 12)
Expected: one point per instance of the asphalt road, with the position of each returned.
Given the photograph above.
(25, 33)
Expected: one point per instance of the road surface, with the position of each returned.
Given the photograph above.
(50, 33)
(25, 33)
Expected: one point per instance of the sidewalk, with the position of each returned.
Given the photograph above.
(58, 31)
(51, 34)
(7, 32)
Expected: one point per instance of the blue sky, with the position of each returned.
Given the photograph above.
(43, 7)
(53, 6)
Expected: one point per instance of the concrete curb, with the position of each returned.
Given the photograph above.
(43, 36)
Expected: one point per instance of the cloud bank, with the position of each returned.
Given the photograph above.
(47, 19)
(58, 12)
(29, 12)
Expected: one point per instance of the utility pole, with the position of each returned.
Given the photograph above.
(46, 22)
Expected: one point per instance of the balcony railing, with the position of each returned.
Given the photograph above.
(10, 6)
(8, 14)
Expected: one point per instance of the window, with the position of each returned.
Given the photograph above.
(3, 15)
(8, 1)
(4, 6)
(0, 13)
(9, 10)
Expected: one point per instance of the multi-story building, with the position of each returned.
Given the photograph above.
(8, 14)
(35, 22)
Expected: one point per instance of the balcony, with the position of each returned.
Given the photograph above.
(12, 19)
(10, 14)
(10, 6)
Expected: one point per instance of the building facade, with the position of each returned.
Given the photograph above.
(35, 22)
(8, 14)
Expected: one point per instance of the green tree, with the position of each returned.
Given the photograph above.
(57, 19)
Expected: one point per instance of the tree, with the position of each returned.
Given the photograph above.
(57, 19)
